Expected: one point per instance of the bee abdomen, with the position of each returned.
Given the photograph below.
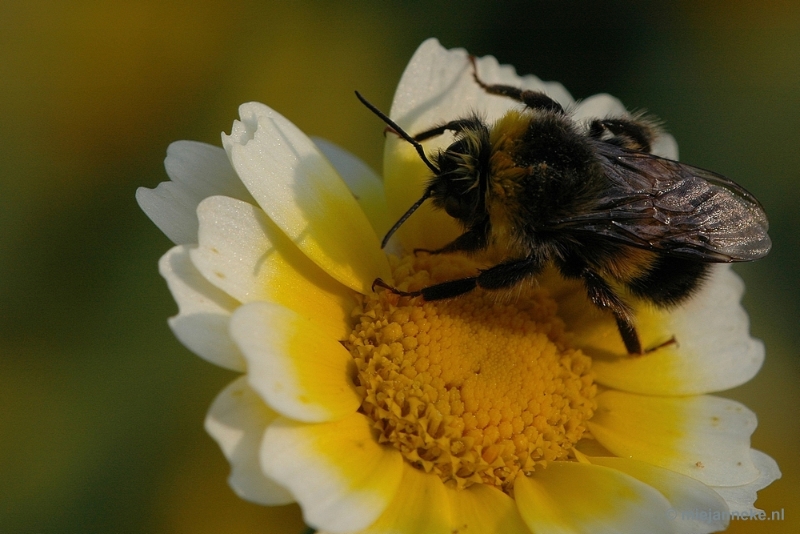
(669, 280)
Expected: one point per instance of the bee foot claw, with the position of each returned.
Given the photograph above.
(670, 341)
(378, 282)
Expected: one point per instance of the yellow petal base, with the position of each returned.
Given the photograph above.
(472, 389)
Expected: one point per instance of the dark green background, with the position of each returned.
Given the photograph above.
(101, 409)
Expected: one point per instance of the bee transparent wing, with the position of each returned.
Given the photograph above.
(664, 205)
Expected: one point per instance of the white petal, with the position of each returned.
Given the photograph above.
(421, 506)
(694, 507)
(484, 508)
(242, 252)
(598, 106)
(704, 437)
(342, 478)
(204, 311)
(237, 420)
(715, 325)
(197, 171)
(299, 371)
(665, 146)
(302, 193)
(437, 86)
(365, 185)
(576, 498)
(741, 499)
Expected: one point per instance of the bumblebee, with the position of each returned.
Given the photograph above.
(592, 200)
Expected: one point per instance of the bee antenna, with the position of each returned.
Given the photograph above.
(393, 125)
(405, 216)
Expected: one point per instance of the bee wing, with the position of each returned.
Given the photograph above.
(661, 204)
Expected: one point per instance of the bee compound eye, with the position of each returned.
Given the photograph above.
(460, 207)
(457, 207)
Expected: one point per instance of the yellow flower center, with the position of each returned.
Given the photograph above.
(473, 389)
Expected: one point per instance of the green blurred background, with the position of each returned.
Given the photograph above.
(101, 409)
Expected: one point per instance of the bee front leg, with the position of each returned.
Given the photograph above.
(455, 126)
(378, 282)
(503, 275)
(445, 290)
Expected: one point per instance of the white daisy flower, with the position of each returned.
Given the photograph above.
(384, 414)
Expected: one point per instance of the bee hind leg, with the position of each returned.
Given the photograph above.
(629, 335)
(603, 296)
(630, 134)
(532, 99)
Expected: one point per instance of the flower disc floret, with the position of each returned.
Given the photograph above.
(473, 389)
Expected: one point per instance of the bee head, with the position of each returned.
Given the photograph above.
(460, 173)
(460, 185)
